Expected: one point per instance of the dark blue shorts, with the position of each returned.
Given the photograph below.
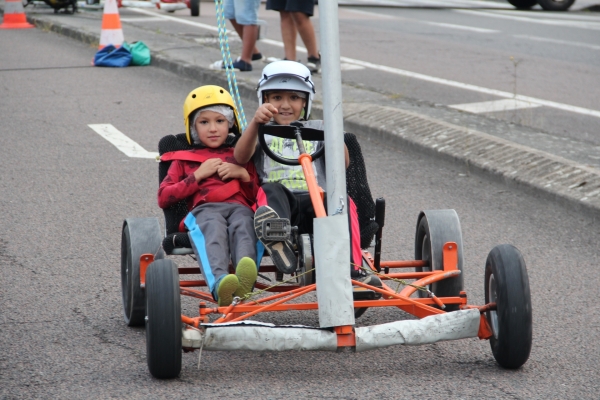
(305, 6)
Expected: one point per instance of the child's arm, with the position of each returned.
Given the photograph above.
(178, 186)
(244, 148)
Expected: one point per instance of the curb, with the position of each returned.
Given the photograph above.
(556, 178)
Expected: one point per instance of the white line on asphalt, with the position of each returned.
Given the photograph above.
(122, 142)
(433, 79)
(466, 28)
(474, 88)
(555, 22)
(565, 42)
(494, 106)
(142, 19)
(181, 21)
(441, 24)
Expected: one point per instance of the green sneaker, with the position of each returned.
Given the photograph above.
(227, 287)
(246, 273)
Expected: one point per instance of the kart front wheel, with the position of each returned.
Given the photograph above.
(163, 319)
(507, 285)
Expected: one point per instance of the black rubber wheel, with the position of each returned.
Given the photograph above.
(434, 229)
(163, 320)
(139, 236)
(507, 285)
(195, 8)
(523, 4)
(556, 5)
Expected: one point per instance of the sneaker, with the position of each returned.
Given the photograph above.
(281, 252)
(257, 57)
(241, 65)
(369, 278)
(246, 273)
(314, 64)
(227, 287)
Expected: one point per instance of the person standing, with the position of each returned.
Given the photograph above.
(243, 15)
(295, 18)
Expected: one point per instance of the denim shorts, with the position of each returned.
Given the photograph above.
(245, 12)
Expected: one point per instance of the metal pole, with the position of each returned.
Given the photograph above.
(331, 237)
(332, 106)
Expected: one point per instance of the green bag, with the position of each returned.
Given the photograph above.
(140, 53)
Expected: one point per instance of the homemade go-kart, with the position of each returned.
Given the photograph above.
(151, 284)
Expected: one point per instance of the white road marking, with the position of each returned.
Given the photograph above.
(441, 24)
(176, 19)
(122, 142)
(415, 75)
(555, 22)
(142, 19)
(494, 106)
(463, 27)
(350, 67)
(474, 88)
(565, 42)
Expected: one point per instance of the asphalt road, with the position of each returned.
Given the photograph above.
(65, 192)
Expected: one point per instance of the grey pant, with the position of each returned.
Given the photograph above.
(220, 232)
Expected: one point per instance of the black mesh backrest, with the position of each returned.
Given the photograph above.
(358, 189)
(175, 213)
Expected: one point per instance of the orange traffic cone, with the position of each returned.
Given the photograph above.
(112, 33)
(14, 16)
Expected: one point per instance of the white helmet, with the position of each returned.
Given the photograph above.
(289, 76)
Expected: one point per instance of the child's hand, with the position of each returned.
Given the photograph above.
(228, 171)
(207, 169)
(264, 113)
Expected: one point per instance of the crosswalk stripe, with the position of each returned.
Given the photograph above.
(494, 106)
(122, 142)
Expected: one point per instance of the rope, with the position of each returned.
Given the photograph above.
(226, 55)
(400, 281)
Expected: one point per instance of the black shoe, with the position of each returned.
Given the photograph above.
(314, 64)
(281, 251)
(240, 65)
(257, 57)
(368, 278)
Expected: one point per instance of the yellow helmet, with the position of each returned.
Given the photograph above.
(205, 96)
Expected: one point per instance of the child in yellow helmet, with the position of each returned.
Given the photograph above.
(220, 194)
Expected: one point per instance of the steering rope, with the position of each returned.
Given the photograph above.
(228, 64)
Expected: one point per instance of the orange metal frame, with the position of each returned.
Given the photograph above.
(280, 301)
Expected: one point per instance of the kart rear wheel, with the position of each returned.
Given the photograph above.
(523, 4)
(163, 319)
(195, 8)
(139, 236)
(556, 5)
(507, 285)
(434, 229)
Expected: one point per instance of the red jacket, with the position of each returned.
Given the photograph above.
(180, 183)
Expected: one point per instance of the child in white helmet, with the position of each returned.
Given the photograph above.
(285, 94)
(220, 194)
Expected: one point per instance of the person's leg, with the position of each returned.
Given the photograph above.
(244, 247)
(307, 33)
(246, 14)
(278, 200)
(240, 31)
(208, 234)
(288, 35)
